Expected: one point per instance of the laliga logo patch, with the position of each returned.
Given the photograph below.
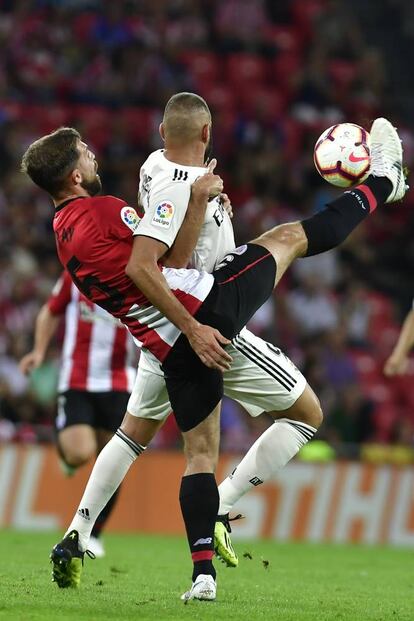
(163, 214)
(130, 217)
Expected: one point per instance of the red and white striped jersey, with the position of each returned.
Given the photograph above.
(98, 352)
(94, 237)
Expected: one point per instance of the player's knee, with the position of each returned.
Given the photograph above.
(77, 456)
(288, 240)
(312, 414)
(77, 444)
(307, 409)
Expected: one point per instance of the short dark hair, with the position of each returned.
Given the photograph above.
(184, 115)
(50, 159)
(186, 102)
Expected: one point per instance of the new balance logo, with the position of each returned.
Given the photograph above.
(180, 175)
(84, 513)
(203, 542)
(358, 197)
(255, 481)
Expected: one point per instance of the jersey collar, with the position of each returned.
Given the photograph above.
(70, 200)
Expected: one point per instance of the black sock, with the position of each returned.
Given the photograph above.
(104, 515)
(330, 227)
(199, 500)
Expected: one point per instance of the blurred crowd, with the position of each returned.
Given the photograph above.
(275, 74)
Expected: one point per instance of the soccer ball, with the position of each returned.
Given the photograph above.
(342, 154)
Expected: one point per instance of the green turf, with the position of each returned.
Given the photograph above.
(142, 578)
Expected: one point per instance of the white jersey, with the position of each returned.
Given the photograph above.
(164, 193)
(261, 377)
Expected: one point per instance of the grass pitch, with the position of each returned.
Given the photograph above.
(142, 578)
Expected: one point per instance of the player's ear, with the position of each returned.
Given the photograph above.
(161, 131)
(75, 176)
(205, 133)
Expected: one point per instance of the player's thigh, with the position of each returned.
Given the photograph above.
(148, 406)
(285, 242)
(149, 397)
(194, 390)
(262, 378)
(74, 426)
(306, 409)
(244, 280)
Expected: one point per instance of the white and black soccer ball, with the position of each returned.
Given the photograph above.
(342, 154)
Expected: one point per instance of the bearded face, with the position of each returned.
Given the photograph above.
(93, 186)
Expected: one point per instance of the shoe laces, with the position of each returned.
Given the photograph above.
(379, 165)
(90, 554)
(226, 519)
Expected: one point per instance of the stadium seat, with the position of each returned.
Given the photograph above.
(386, 416)
(142, 123)
(220, 97)
(284, 68)
(246, 70)
(367, 366)
(204, 67)
(268, 104)
(50, 118)
(286, 38)
(83, 24)
(305, 12)
(95, 123)
(342, 73)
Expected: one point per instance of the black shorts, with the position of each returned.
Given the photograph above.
(243, 282)
(100, 410)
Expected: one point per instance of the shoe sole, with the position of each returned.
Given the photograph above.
(391, 133)
(222, 552)
(64, 568)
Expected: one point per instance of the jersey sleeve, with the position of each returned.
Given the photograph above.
(61, 295)
(167, 206)
(116, 217)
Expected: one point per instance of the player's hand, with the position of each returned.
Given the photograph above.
(207, 343)
(396, 365)
(207, 186)
(30, 362)
(225, 201)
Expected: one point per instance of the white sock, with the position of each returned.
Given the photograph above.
(275, 447)
(110, 468)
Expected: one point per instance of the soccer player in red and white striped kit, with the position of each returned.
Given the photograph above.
(97, 372)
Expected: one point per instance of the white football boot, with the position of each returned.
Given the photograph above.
(204, 587)
(387, 157)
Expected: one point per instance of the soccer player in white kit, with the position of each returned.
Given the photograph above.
(261, 378)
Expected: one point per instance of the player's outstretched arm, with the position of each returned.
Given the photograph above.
(397, 363)
(46, 326)
(143, 270)
(205, 187)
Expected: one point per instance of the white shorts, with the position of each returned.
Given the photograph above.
(261, 379)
